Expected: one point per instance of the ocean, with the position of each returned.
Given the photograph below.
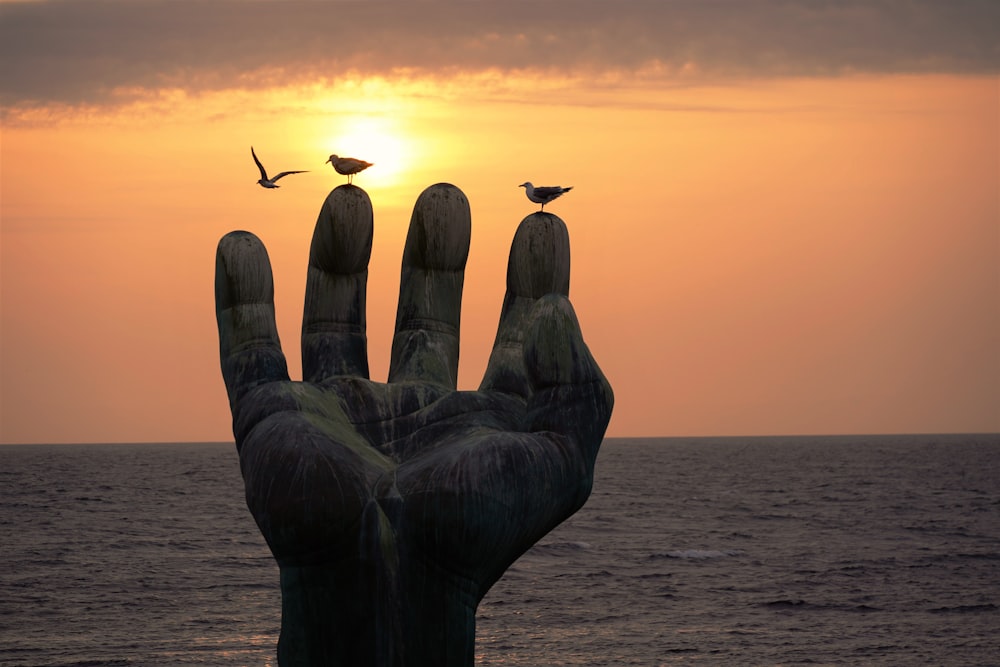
(859, 550)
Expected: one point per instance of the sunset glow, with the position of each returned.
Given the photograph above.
(377, 142)
(751, 254)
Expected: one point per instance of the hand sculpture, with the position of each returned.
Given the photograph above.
(391, 508)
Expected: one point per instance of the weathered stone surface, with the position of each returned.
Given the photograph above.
(391, 508)
(425, 347)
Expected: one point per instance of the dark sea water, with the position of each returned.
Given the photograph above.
(863, 550)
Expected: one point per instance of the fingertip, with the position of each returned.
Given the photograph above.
(342, 239)
(242, 271)
(440, 229)
(539, 257)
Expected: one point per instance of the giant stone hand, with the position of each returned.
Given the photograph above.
(392, 508)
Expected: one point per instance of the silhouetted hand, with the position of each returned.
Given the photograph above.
(391, 508)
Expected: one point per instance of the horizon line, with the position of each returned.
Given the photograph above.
(126, 443)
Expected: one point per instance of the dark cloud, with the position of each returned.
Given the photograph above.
(75, 51)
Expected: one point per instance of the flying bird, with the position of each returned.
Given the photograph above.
(543, 194)
(348, 166)
(266, 182)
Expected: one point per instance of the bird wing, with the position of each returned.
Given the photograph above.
(353, 165)
(549, 191)
(286, 173)
(263, 174)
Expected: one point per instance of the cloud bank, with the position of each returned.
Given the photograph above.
(89, 51)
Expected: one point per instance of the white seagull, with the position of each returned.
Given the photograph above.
(266, 182)
(543, 194)
(348, 166)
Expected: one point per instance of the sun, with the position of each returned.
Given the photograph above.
(377, 140)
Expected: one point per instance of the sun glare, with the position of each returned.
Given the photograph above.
(378, 141)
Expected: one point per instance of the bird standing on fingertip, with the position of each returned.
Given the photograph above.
(543, 194)
(266, 182)
(348, 166)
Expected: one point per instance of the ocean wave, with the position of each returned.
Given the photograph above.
(158, 580)
(560, 547)
(698, 554)
(803, 605)
(966, 609)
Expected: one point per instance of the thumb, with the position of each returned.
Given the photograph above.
(570, 395)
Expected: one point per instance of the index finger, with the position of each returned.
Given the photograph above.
(538, 265)
(249, 349)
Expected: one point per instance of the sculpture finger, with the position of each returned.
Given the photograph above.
(334, 338)
(249, 348)
(538, 265)
(425, 344)
(570, 395)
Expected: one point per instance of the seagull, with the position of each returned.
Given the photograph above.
(266, 182)
(348, 166)
(543, 194)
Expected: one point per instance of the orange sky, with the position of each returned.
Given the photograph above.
(750, 254)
